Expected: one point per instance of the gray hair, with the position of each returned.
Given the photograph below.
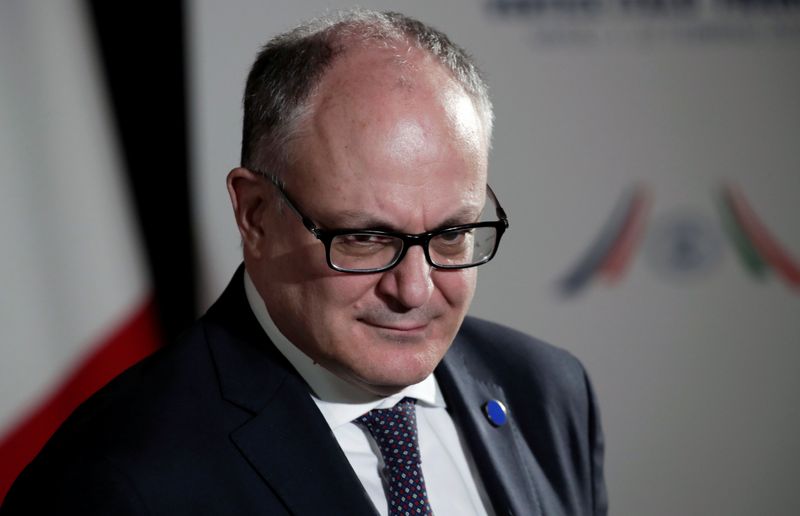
(291, 65)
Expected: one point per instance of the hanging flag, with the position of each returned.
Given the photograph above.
(75, 301)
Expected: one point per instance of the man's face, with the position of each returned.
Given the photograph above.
(388, 147)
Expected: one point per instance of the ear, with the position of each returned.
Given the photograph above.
(249, 199)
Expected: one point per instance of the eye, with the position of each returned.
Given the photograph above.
(364, 240)
(364, 244)
(451, 244)
(454, 237)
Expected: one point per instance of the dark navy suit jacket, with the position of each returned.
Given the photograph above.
(220, 423)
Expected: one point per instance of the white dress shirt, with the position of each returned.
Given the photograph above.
(451, 485)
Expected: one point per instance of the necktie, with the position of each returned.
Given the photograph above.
(395, 431)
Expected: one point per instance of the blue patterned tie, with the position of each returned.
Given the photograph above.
(395, 431)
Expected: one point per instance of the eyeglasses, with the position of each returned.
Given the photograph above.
(371, 250)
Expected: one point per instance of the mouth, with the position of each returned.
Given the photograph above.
(406, 328)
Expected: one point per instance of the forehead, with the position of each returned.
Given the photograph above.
(391, 133)
(387, 88)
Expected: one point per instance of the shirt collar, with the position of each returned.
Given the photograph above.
(339, 401)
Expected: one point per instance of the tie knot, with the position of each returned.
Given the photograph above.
(395, 431)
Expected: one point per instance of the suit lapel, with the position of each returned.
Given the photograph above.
(292, 448)
(285, 439)
(507, 476)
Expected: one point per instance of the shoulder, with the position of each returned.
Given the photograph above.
(140, 421)
(551, 402)
(529, 371)
(516, 353)
(157, 392)
(148, 395)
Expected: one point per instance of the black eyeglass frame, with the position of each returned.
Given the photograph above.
(326, 236)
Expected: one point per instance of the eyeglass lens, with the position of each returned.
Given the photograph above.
(452, 248)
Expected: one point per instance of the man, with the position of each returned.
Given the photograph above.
(342, 343)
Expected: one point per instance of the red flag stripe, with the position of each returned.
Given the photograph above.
(618, 258)
(134, 340)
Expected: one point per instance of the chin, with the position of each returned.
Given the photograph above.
(390, 372)
(388, 386)
(385, 360)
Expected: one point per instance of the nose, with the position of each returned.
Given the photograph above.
(409, 283)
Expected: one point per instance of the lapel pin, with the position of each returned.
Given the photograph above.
(495, 412)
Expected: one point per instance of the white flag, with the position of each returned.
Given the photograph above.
(75, 299)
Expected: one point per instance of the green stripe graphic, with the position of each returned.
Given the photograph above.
(748, 254)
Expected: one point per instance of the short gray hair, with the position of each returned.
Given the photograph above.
(291, 65)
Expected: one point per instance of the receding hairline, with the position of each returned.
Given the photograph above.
(414, 66)
(328, 40)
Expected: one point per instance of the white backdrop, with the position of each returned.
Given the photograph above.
(693, 357)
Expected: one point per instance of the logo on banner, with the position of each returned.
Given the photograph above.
(681, 245)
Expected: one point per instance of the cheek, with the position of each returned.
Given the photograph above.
(457, 287)
(343, 295)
